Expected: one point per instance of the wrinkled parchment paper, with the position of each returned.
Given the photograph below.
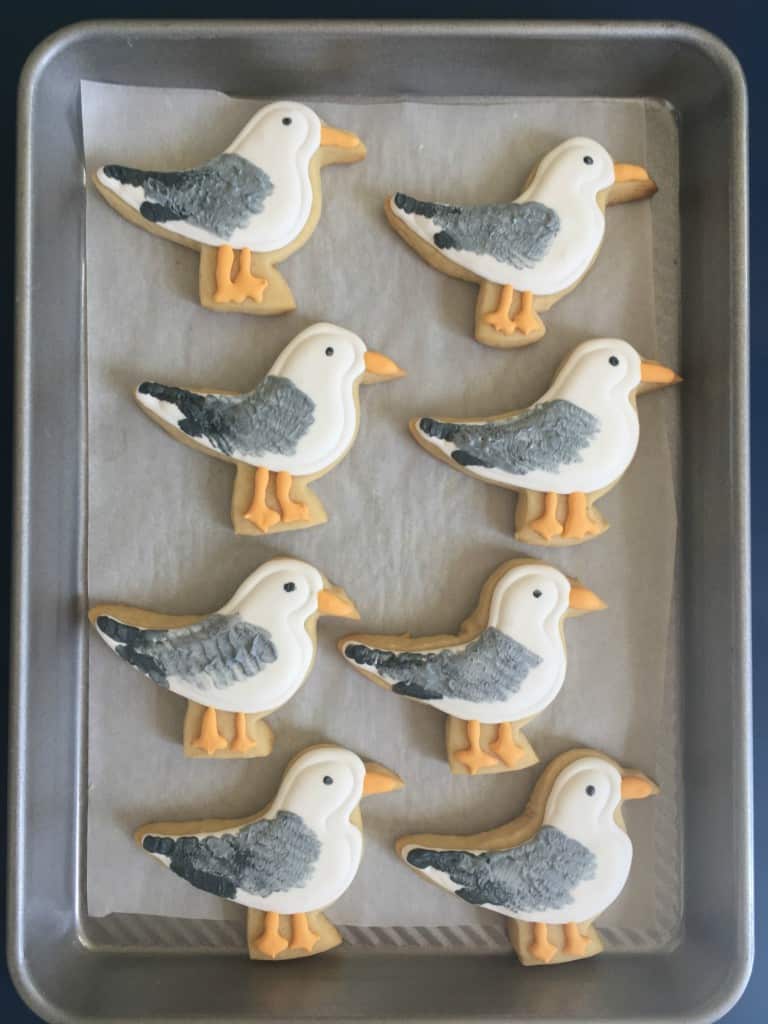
(411, 541)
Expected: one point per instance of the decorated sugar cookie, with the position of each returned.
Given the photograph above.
(504, 667)
(246, 209)
(565, 451)
(529, 253)
(236, 665)
(290, 429)
(554, 869)
(291, 860)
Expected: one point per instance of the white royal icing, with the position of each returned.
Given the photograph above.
(590, 381)
(565, 184)
(326, 810)
(533, 622)
(262, 600)
(328, 380)
(284, 152)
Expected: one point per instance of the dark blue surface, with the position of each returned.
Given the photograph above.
(741, 26)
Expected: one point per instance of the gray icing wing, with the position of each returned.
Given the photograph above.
(520, 234)
(545, 437)
(267, 856)
(539, 875)
(488, 669)
(212, 654)
(220, 196)
(272, 418)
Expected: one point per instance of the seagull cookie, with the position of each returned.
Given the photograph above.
(562, 453)
(245, 210)
(529, 253)
(554, 869)
(236, 665)
(292, 428)
(292, 859)
(506, 664)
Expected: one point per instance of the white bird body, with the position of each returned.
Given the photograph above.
(329, 382)
(564, 184)
(296, 857)
(605, 391)
(533, 622)
(283, 153)
(567, 871)
(222, 668)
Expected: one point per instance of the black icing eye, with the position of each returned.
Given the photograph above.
(588, 160)
(537, 593)
(590, 790)
(614, 360)
(329, 351)
(287, 120)
(289, 587)
(327, 780)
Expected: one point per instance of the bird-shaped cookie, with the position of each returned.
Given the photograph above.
(245, 210)
(292, 859)
(292, 428)
(236, 665)
(506, 664)
(554, 869)
(525, 254)
(565, 451)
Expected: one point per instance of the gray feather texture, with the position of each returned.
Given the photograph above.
(272, 418)
(212, 654)
(265, 857)
(488, 669)
(220, 196)
(539, 875)
(546, 437)
(519, 234)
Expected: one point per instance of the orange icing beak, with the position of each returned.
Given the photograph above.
(333, 601)
(584, 600)
(336, 137)
(382, 366)
(630, 172)
(379, 779)
(655, 373)
(635, 786)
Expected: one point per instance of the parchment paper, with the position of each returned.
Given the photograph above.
(411, 541)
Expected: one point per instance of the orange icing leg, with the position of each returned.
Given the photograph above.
(504, 745)
(541, 948)
(250, 287)
(527, 319)
(474, 757)
(292, 511)
(210, 739)
(245, 285)
(242, 742)
(577, 523)
(302, 936)
(548, 525)
(260, 514)
(575, 943)
(499, 319)
(271, 942)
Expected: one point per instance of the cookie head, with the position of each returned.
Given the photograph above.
(532, 593)
(286, 128)
(287, 589)
(587, 793)
(326, 781)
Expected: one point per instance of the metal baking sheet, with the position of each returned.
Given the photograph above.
(349, 984)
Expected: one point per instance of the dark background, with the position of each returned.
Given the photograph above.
(740, 25)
